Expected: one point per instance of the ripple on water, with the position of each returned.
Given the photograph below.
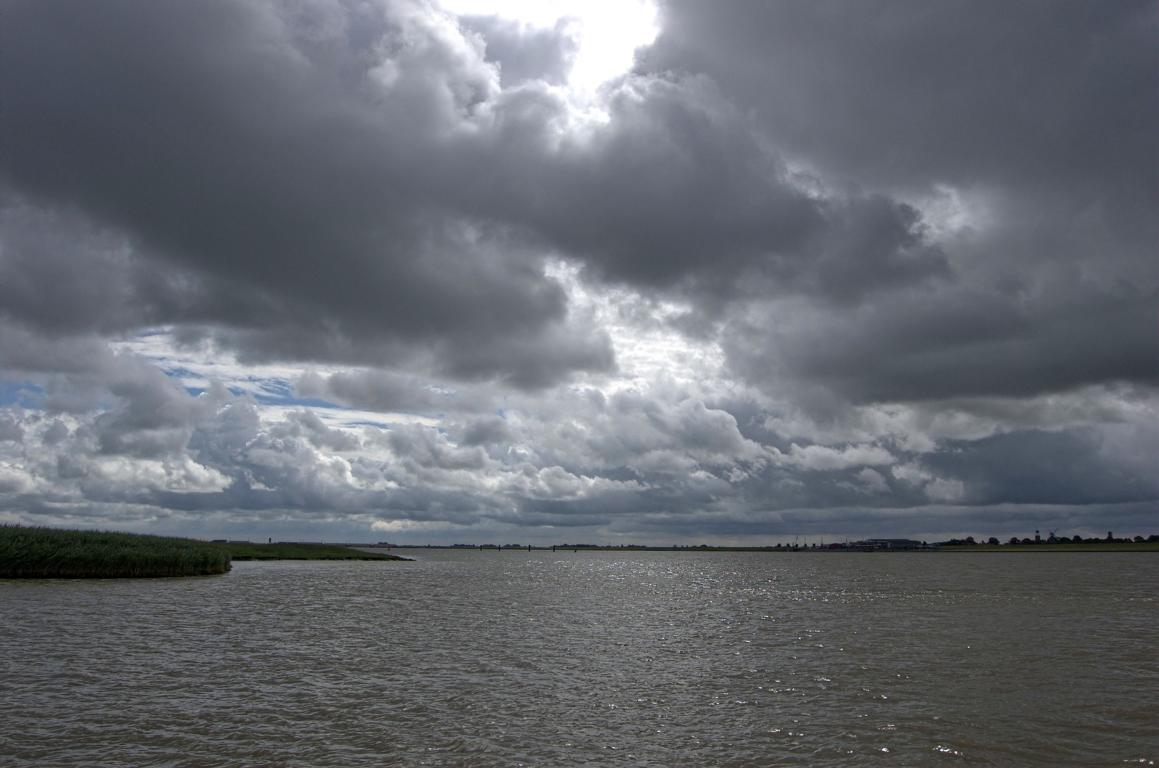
(642, 659)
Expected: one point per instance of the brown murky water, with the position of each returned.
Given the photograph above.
(657, 659)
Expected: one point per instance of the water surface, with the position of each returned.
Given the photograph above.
(559, 659)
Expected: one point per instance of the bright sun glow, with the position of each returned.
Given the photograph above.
(608, 31)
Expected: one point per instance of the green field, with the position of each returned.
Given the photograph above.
(243, 550)
(51, 553)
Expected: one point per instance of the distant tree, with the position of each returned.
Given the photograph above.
(1077, 539)
(1028, 540)
(1014, 540)
(1139, 539)
(970, 540)
(992, 541)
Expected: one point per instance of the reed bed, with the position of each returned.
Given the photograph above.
(244, 550)
(53, 553)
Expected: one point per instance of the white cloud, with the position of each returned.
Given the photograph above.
(181, 475)
(821, 457)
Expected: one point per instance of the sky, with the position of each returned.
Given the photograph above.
(590, 272)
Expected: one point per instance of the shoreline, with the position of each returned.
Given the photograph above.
(973, 549)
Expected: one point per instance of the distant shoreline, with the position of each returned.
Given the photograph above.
(53, 553)
(1146, 546)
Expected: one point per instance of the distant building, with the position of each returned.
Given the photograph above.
(893, 543)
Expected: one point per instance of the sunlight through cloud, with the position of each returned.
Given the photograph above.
(607, 32)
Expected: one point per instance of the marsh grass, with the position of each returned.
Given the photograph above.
(52, 553)
(242, 550)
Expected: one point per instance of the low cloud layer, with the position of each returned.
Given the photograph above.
(377, 271)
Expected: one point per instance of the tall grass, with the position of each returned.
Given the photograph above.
(52, 553)
(244, 550)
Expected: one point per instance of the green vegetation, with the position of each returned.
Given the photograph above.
(243, 550)
(50, 553)
(53, 553)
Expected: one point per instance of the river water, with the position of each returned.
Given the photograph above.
(566, 659)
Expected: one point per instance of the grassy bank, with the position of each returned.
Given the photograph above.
(242, 550)
(51, 553)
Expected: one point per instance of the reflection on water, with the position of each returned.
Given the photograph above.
(641, 659)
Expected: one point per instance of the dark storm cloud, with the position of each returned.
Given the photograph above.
(1036, 92)
(677, 193)
(63, 273)
(359, 173)
(1102, 466)
(955, 342)
(1043, 113)
(265, 152)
